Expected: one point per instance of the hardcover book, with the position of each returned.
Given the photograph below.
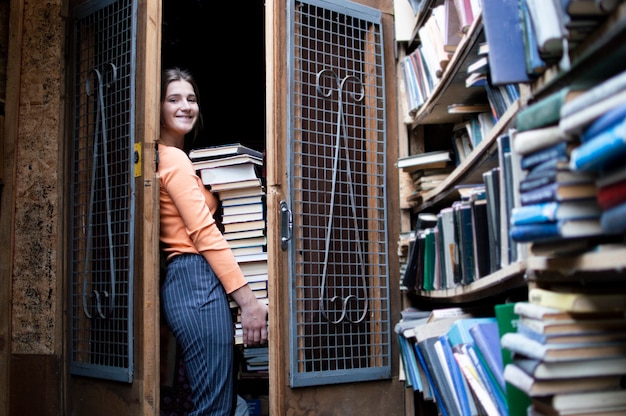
(507, 57)
(435, 159)
(545, 212)
(531, 141)
(546, 111)
(613, 400)
(603, 150)
(559, 192)
(520, 344)
(578, 302)
(556, 230)
(487, 340)
(533, 387)
(217, 151)
(613, 220)
(542, 370)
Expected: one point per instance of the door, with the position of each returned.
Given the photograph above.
(329, 192)
(113, 195)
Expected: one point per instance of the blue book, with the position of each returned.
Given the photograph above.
(428, 370)
(613, 220)
(491, 386)
(557, 230)
(605, 121)
(602, 150)
(460, 386)
(503, 32)
(458, 333)
(558, 192)
(556, 151)
(535, 65)
(553, 211)
(487, 340)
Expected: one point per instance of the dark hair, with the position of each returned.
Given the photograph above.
(178, 74)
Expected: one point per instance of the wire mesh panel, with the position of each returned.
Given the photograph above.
(102, 199)
(340, 324)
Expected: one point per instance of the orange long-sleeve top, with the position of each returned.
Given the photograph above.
(187, 221)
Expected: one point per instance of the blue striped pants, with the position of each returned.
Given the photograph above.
(196, 309)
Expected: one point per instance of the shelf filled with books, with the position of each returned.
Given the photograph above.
(528, 220)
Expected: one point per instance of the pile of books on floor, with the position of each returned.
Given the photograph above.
(235, 173)
(569, 352)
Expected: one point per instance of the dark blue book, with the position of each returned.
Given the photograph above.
(605, 121)
(427, 366)
(556, 230)
(465, 240)
(558, 192)
(559, 150)
(613, 220)
(607, 148)
(503, 32)
(535, 65)
(460, 387)
(554, 211)
(487, 340)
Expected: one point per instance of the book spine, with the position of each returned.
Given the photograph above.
(614, 220)
(602, 150)
(527, 233)
(541, 113)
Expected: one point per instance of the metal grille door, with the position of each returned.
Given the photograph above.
(102, 191)
(338, 250)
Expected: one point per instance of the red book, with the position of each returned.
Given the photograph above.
(612, 195)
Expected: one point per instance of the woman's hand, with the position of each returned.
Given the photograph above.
(253, 316)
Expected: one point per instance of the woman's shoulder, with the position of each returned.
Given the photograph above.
(171, 155)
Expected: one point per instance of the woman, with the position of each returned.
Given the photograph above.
(201, 269)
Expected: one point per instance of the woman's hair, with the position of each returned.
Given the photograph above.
(178, 74)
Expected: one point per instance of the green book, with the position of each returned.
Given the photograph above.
(517, 401)
(429, 258)
(546, 111)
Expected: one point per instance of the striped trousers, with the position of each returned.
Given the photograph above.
(196, 309)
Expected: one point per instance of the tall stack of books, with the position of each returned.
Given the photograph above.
(569, 352)
(234, 173)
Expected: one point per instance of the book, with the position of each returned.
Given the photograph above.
(613, 220)
(452, 31)
(507, 319)
(487, 379)
(242, 209)
(592, 335)
(227, 161)
(538, 311)
(556, 151)
(480, 238)
(245, 250)
(578, 302)
(253, 190)
(590, 401)
(427, 350)
(507, 57)
(523, 345)
(449, 244)
(465, 241)
(572, 327)
(220, 187)
(559, 192)
(231, 149)
(546, 111)
(461, 108)
(435, 159)
(465, 13)
(544, 174)
(589, 7)
(244, 200)
(611, 195)
(233, 227)
(535, 64)
(459, 330)
(551, 211)
(430, 376)
(487, 340)
(237, 235)
(604, 149)
(473, 380)
(542, 370)
(453, 376)
(556, 230)
(530, 141)
(244, 217)
(533, 387)
(492, 192)
(606, 121)
(549, 27)
(229, 174)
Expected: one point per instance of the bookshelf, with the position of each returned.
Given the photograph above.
(601, 265)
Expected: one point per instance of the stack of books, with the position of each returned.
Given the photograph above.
(569, 352)
(234, 173)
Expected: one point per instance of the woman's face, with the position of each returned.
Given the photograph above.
(179, 110)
